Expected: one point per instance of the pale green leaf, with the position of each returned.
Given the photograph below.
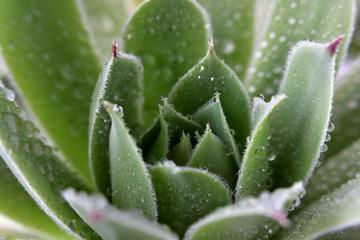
(186, 194)
(113, 224)
(336, 171)
(54, 68)
(130, 182)
(232, 25)
(19, 214)
(212, 113)
(169, 36)
(346, 112)
(334, 212)
(298, 126)
(35, 166)
(254, 172)
(211, 154)
(104, 21)
(250, 218)
(199, 85)
(290, 22)
(181, 152)
(120, 83)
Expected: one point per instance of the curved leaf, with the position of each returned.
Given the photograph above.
(35, 166)
(120, 83)
(290, 22)
(296, 138)
(211, 154)
(169, 36)
(54, 68)
(250, 218)
(346, 112)
(181, 152)
(336, 211)
(186, 194)
(130, 182)
(111, 223)
(254, 172)
(24, 217)
(212, 114)
(232, 24)
(336, 171)
(199, 85)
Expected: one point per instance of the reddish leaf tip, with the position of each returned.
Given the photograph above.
(211, 47)
(280, 217)
(94, 215)
(333, 46)
(114, 49)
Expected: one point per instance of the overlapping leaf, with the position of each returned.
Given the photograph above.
(298, 126)
(169, 36)
(111, 223)
(290, 22)
(119, 83)
(35, 166)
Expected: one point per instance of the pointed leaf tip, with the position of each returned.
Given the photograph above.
(211, 47)
(114, 49)
(333, 46)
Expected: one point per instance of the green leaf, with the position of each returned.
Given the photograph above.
(104, 21)
(199, 85)
(177, 123)
(296, 138)
(130, 181)
(120, 83)
(211, 154)
(54, 68)
(169, 36)
(336, 171)
(288, 23)
(334, 212)
(250, 218)
(111, 223)
(345, 112)
(181, 152)
(254, 172)
(185, 195)
(35, 166)
(212, 114)
(23, 218)
(154, 143)
(232, 24)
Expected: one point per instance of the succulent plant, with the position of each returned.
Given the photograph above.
(210, 120)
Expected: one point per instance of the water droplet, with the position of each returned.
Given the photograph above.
(282, 39)
(38, 148)
(293, 5)
(202, 68)
(292, 20)
(327, 138)
(323, 148)
(260, 152)
(272, 35)
(212, 79)
(331, 127)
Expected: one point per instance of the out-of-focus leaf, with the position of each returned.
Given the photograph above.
(251, 218)
(104, 21)
(254, 172)
(212, 114)
(169, 36)
(24, 217)
(199, 85)
(211, 154)
(54, 68)
(181, 152)
(232, 25)
(334, 212)
(111, 223)
(186, 194)
(35, 166)
(290, 22)
(336, 171)
(296, 138)
(130, 182)
(119, 83)
(346, 112)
